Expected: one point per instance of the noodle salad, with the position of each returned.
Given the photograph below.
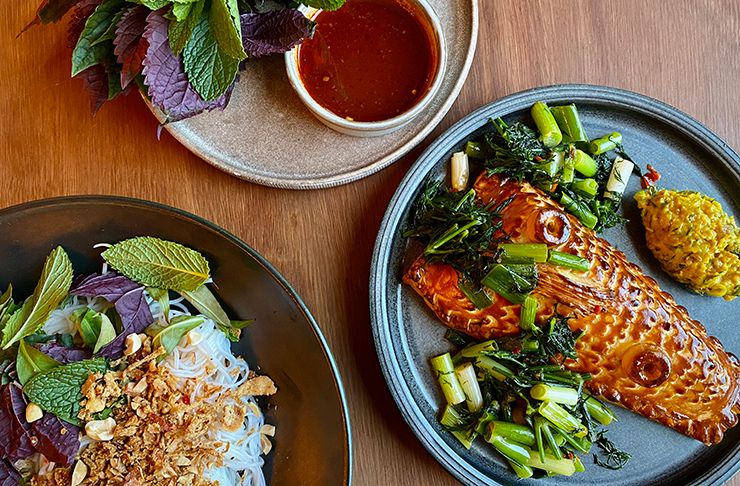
(106, 380)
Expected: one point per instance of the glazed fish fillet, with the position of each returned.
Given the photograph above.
(643, 350)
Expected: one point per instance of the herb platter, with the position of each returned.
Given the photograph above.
(407, 334)
(311, 409)
(267, 136)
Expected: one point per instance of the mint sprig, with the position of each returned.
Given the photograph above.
(58, 390)
(210, 69)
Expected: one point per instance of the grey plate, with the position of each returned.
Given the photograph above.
(266, 135)
(407, 334)
(312, 445)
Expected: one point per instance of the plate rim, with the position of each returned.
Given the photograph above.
(453, 463)
(82, 200)
(180, 134)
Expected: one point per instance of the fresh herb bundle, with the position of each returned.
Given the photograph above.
(184, 54)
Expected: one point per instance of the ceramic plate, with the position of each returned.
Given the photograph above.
(407, 333)
(267, 136)
(312, 445)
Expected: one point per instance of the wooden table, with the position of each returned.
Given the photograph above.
(683, 52)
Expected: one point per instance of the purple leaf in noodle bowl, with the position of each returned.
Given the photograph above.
(59, 440)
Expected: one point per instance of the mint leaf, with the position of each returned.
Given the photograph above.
(58, 390)
(53, 285)
(130, 44)
(181, 29)
(210, 70)
(205, 302)
(225, 29)
(155, 4)
(171, 335)
(323, 4)
(88, 52)
(180, 11)
(158, 263)
(168, 86)
(274, 32)
(31, 361)
(110, 32)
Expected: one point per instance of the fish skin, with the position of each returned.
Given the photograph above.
(644, 351)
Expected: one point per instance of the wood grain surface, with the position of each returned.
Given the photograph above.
(683, 52)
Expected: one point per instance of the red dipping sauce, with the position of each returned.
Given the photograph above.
(371, 60)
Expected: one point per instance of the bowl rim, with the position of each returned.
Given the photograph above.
(319, 111)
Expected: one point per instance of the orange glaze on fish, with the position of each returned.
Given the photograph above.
(643, 350)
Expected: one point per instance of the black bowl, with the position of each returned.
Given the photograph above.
(312, 445)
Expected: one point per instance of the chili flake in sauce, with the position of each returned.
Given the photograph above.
(371, 60)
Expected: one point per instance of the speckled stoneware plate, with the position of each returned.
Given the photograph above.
(267, 136)
(312, 445)
(407, 333)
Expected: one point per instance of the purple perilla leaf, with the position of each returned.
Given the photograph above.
(169, 89)
(16, 443)
(128, 297)
(131, 47)
(274, 32)
(80, 14)
(65, 355)
(110, 286)
(135, 316)
(8, 475)
(59, 440)
(95, 81)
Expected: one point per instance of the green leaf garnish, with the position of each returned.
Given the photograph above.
(58, 390)
(171, 335)
(96, 328)
(324, 4)
(31, 362)
(89, 51)
(181, 29)
(226, 28)
(162, 296)
(53, 286)
(157, 263)
(210, 70)
(206, 303)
